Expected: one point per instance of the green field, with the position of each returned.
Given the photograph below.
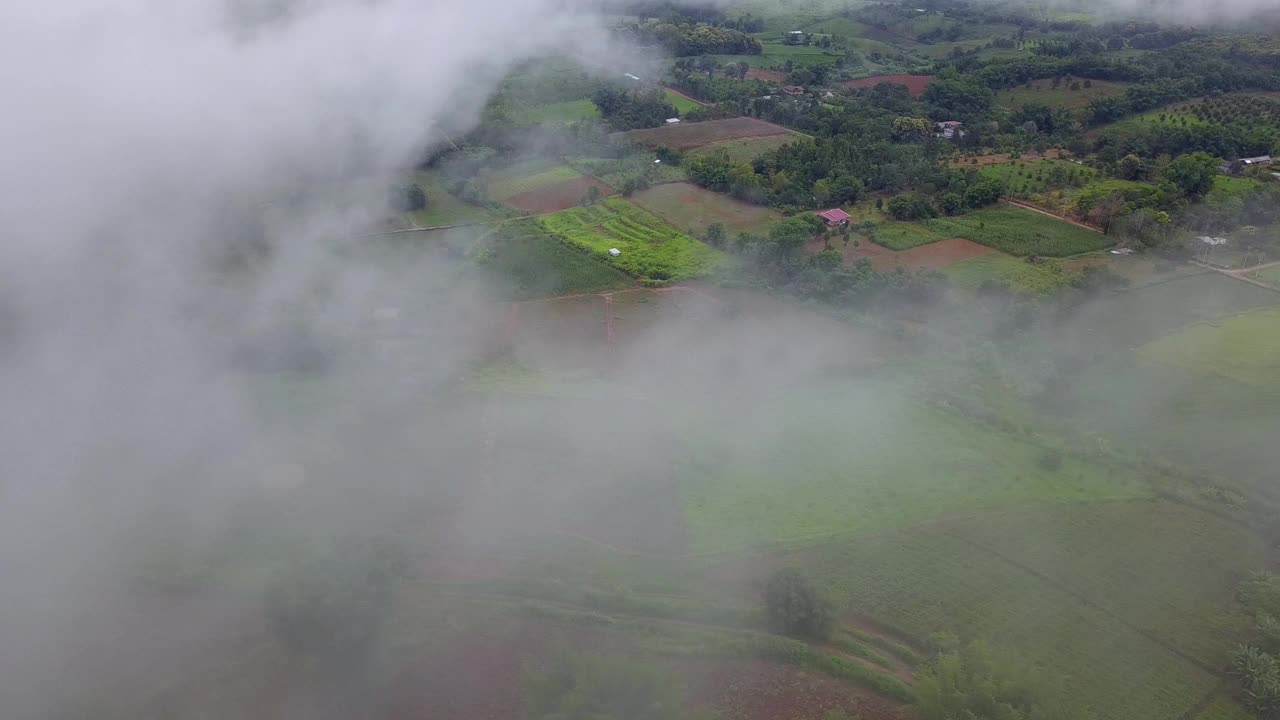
(612, 171)
(1034, 176)
(1269, 275)
(1042, 92)
(776, 54)
(528, 262)
(1092, 587)
(1225, 709)
(561, 112)
(1245, 348)
(445, 209)
(682, 104)
(693, 208)
(905, 235)
(1013, 273)
(746, 149)
(1020, 232)
(1225, 186)
(524, 178)
(853, 459)
(650, 248)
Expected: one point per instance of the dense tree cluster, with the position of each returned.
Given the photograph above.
(631, 109)
(686, 39)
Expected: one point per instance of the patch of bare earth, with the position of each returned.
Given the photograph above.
(691, 135)
(757, 690)
(772, 76)
(561, 196)
(933, 256)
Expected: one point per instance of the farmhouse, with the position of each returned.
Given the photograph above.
(795, 37)
(793, 90)
(950, 129)
(835, 217)
(673, 121)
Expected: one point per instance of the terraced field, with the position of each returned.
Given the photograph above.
(649, 247)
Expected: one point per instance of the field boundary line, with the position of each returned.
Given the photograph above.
(1091, 604)
(1194, 711)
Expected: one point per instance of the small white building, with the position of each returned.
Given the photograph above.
(673, 121)
(629, 76)
(615, 252)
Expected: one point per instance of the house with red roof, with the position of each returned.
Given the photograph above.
(835, 217)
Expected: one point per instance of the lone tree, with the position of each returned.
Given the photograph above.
(716, 234)
(795, 607)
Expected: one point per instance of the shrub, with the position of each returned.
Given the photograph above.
(795, 607)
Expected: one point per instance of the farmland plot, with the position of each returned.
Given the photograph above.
(649, 247)
(1020, 232)
(693, 208)
(692, 135)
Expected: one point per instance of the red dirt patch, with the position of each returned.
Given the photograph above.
(691, 135)
(561, 196)
(933, 256)
(758, 690)
(915, 83)
(773, 76)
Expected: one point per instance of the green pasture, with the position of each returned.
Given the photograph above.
(524, 178)
(693, 208)
(527, 262)
(1245, 348)
(905, 235)
(1013, 273)
(681, 103)
(850, 459)
(443, 208)
(1121, 600)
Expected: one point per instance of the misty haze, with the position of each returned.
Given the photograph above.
(655, 360)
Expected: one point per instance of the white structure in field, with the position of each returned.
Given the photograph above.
(615, 252)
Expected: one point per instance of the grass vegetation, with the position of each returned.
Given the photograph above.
(649, 247)
(1245, 348)
(443, 208)
(1020, 232)
(534, 263)
(523, 178)
(613, 171)
(834, 469)
(905, 235)
(1060, 601)
(1042, 92)
(680, 102)
(693, 208)
(1226, 186)
(1016, 274)
(746, 149)
(1269, 275)
(565, 112)
(1035, 176)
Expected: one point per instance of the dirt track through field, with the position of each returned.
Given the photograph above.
(1046, 213)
